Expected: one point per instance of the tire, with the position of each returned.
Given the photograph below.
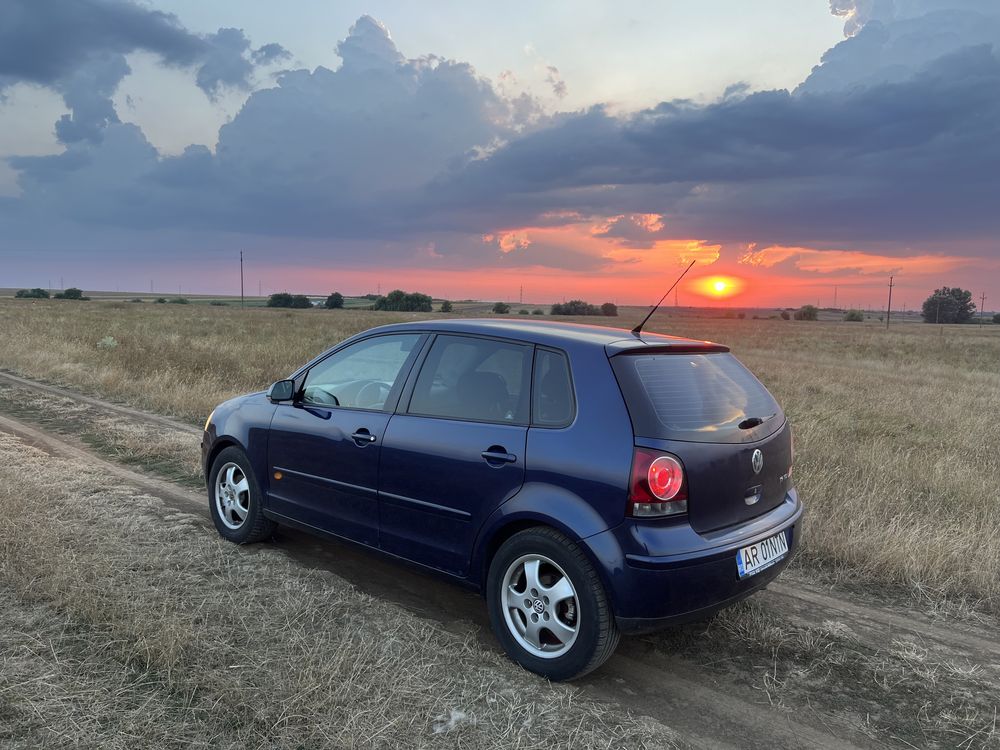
(235, 499)
(566, 637)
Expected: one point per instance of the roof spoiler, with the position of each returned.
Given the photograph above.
(627, 346)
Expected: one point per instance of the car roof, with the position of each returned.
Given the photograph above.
(557, 334)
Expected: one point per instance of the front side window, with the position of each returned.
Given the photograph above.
(360, 376)
(472, 378)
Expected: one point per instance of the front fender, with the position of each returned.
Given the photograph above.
(243, 422)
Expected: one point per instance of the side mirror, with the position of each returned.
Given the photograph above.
(283, 390)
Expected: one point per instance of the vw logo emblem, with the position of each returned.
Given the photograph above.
(757, 461)
(539, 606)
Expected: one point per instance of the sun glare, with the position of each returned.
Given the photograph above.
(718, 286)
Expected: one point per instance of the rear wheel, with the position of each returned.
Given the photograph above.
(234, 499)
(548, 606)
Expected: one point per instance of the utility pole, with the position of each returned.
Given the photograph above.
(888, 309)
(982, 307)
(834, 297)
(243, 303)
(150, 286)
(520, 298)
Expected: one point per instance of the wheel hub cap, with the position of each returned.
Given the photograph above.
(540, 606)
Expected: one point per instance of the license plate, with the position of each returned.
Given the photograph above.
(762, 555)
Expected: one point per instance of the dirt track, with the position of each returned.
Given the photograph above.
(711, 687)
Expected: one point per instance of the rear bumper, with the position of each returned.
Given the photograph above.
(653, 591)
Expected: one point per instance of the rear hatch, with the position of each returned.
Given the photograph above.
(710, 411)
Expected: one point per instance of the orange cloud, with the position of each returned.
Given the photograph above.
(508, 241)
(835, 261)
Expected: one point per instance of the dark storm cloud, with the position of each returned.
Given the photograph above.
(900, 160)
(893, 139)
(325, 153)
(79, 48)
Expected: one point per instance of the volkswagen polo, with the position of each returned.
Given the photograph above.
(587, 481)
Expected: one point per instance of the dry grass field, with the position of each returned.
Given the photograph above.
(897, 445)
(124, 625)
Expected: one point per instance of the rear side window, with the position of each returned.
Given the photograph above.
(699, 397)
(553, 404)
(471, 378)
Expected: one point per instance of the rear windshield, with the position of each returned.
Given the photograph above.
(699, 397)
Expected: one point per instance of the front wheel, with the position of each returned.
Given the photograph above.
(548, 607)
(234, 499)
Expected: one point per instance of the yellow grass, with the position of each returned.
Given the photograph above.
(897, 435)
(124, 624)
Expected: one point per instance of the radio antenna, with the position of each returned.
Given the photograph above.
(638, 329)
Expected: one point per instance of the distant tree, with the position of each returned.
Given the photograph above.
(785, 315)
(334, 302)
(301, 302)
(280, 299)
(179, 301)
(72, 293)
(609, 310)
(854, 316)
(523, 311)
(807, 312)
(575, 307)
(35, 293)
(996, 317)
(501, 308)
(538, 311)
(218, 303)
(948, 305)
(741, 315)
(399, 301)
(161, 300)
(137, 299)
(446, 306)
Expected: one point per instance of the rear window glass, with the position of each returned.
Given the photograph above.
(701, 397)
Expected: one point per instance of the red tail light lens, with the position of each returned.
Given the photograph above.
(658, 486)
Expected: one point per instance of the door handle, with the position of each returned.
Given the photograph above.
(362, 437)
(496, 455)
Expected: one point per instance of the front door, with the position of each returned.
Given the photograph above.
(323, 449)
(456, 452)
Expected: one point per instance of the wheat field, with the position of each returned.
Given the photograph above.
(897, 446)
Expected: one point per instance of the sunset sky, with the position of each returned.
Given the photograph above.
(796, 149)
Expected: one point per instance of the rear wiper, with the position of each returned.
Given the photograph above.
(750, 422)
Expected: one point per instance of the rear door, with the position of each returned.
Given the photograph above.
(713, 414)
(455, 450)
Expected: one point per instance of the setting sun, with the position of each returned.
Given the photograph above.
(718, 286)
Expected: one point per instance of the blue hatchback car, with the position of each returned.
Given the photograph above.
(589, 482)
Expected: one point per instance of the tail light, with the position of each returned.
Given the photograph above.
(658, 488)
